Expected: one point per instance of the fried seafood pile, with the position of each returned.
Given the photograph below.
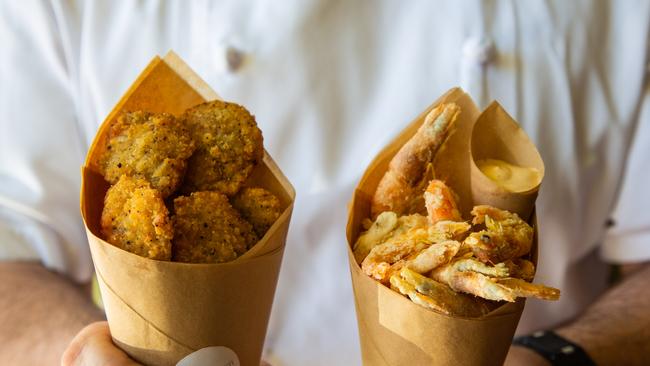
(194, 166)
(449, 265)
(420, 246)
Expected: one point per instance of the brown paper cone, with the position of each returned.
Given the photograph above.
(392, 329)
(497, 136)
(159, 311)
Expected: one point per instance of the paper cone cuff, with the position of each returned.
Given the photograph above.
(160, 311)
(395, 331)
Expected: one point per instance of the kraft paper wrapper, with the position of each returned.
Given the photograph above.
(395, 331)
(159, 311)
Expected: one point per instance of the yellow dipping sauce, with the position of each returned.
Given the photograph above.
(511, 177)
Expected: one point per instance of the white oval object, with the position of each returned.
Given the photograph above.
(211, 356)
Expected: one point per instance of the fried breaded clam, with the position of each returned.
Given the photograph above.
(228, 146)
(135, 219)
(150, 146)
(259, 207)
(207, 229)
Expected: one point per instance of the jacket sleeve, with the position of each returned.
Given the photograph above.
(41, 142)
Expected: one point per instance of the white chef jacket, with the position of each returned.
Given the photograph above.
(330, 83)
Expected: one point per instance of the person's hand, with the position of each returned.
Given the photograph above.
(94, 346)
(520, 356)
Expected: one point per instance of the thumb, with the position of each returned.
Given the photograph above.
(93, 346)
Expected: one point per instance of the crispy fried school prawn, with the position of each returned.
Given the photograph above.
(400, 189)
(520, 268)
(507, 236)
(475, 279)
(440, 202)
(437, 296)
(386, 226)
(435, 255)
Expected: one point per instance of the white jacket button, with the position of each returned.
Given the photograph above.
(479, 51)
(229, 58)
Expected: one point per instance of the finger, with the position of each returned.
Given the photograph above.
(94, 346)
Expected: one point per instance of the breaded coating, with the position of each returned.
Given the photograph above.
(409, 172)
(507, 235)
(378, 230)
(378, 262)
(259, 207)
(437, 296)
(135, 218)
(440, 202)
(521, 268)
(229, 145)
(435, 255)
(477, 279)
(209, 230)
(150, 146)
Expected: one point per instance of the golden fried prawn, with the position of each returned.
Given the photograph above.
(380, 259)
(491, 288)
(391, 244)
(522, 288)
(209, 230)
(430, 302)
(388, 226)
(471, 264)
(388, 256)
(435, 255)
(445, 299)
(521, 268)
(400, 189)
(507, 236)
(136, 219)
(150, 146)
(440, 202)
(380, 228)
(473, 283)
